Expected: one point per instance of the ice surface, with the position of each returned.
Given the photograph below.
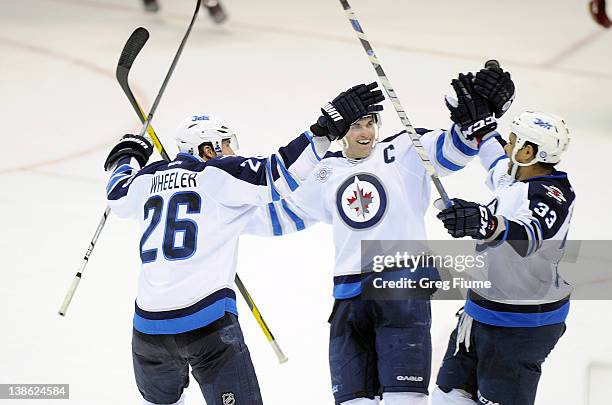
(267, 71)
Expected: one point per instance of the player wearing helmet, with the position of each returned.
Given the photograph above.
(192, 212)
(507, 330)
(379, 190)
(205, 137)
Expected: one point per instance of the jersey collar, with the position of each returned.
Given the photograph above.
(188, 157)
(554, 175)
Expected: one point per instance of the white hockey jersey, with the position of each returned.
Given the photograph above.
(522, 264)
(191, 214)
(382, 197)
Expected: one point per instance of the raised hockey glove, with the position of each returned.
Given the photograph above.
(497, 87)
(338, 115)
(466, 218)
(470, 111)
(135, 146)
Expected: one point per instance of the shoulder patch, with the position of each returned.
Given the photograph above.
(555, 193)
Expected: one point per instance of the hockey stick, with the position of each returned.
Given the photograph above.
(130, 51)
(414, 137)
(92, 244)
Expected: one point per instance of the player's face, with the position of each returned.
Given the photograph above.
(360, 138)
(524, 155)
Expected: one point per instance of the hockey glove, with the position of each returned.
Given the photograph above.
(135, 146)
(470, 111)
(348, 107)
(467, 218)
(497, 87)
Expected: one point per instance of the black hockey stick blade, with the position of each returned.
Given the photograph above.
(131, 49)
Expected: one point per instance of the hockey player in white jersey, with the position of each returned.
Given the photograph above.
(506, 331)
(378, 190)
(191, 212)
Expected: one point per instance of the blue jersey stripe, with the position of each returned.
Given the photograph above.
(299, 224)
(113, 182)
(277, 229)
(347, 290)
(275, 194)
(515, 319)
(496, 161)
(440, 155)
(196, 320)
(290, 180)
(459, 144)
(312, 145)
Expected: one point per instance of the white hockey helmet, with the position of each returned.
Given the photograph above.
(548, 131)
(198, 129)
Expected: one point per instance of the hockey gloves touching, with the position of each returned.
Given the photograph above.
(467, 218)
(470, 111)
(135, 146)
(348, 107)
(497, 87)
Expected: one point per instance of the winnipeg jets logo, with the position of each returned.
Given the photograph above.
(555, 193)
(361, 201)
(543, 124)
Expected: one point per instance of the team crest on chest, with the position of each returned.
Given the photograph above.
(361, 201)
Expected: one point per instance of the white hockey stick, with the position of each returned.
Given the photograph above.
(92, 244)
(414, 137)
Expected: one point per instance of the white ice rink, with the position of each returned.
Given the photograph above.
(267, 71)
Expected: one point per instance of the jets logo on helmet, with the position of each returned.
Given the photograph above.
(204, 129)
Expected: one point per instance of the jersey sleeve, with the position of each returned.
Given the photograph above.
(120, 189)
(447, 150)
(543, 214)
(278, 218)
(494, 160)
(236, 180)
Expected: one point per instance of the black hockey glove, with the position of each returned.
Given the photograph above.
(135, 146)
(467, 218)
(470, 111)
(348, 107)
(497, 87)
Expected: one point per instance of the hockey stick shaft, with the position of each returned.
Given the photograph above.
(170, 71)
(416, 140)
(77, 277)
(73, 286)
(282, 358)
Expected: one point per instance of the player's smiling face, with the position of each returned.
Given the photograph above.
(360, 138)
